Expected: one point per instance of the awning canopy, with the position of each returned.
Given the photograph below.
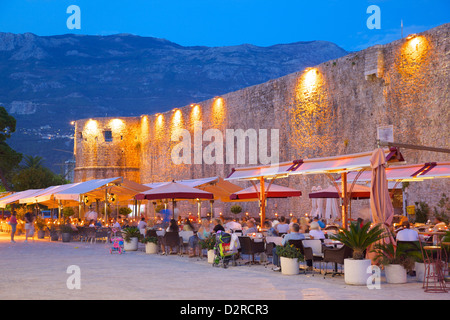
(358, 192)
(118, 188)
(413, 172)
(274, 191)
(46, 196)
(220, 188)
(335, 164)
(15, 197)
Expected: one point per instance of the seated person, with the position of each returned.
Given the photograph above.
(294, 234)
(315, 232)
(282, 226)
(218, 225)
(251, 228)
(440, 225)
(233, 225)
(271, 232)
(407, 234)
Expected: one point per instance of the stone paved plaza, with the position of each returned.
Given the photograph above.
(38, 270)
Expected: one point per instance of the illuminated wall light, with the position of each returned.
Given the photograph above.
(218, 112)
(177, 118)
(310, 79)
(91, 127)
(196, 113)
(116, 124)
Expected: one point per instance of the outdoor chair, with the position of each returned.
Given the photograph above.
(102, 234)
(250, 247)
(171, 239)
(336, 256)
(90, 234)
(184, 240)
(81, 233)
(313, 251)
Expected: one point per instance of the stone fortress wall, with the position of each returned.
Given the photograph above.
(331, 109)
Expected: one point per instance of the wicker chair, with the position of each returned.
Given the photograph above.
(313, 251)
(336, 256)
(170, 239)
(250, 247)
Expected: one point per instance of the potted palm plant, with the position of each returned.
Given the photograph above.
(359, 239)
(131, 237)
(151, 245)
(396, 259)
(290, 257)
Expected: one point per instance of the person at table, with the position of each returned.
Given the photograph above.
(304, 225)
(407, 234)
(187, 226)
(321, 223)
(294, 234)
(173, 226)
(116, 224)
(315, 232)
(251, 228)
(271, 232)
(232, 225)
(439, 225)
(202, 233)
(282, 226)
(218, 225)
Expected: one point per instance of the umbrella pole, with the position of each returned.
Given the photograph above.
(211, 203)
(199, 209)
(262, 200)
(344, 200)
(173, 208)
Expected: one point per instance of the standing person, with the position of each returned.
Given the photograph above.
(28, 225)
(142, 226)
(13, 224)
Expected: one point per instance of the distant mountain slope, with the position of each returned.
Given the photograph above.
(46, 82)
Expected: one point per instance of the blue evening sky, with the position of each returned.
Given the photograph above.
(229, 22)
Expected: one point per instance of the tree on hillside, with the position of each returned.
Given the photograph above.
(33, 175)
(9, 158)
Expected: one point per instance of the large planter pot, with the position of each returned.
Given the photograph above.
(66, 237)
(355, 271)
(419, 267)
(41, 234)
(289, 266)
(151, 248)
(131, 245)
(395, 273)
(211, 256)
(54, 236)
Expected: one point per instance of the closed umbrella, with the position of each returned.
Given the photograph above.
(380, 201)
(313, 202)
